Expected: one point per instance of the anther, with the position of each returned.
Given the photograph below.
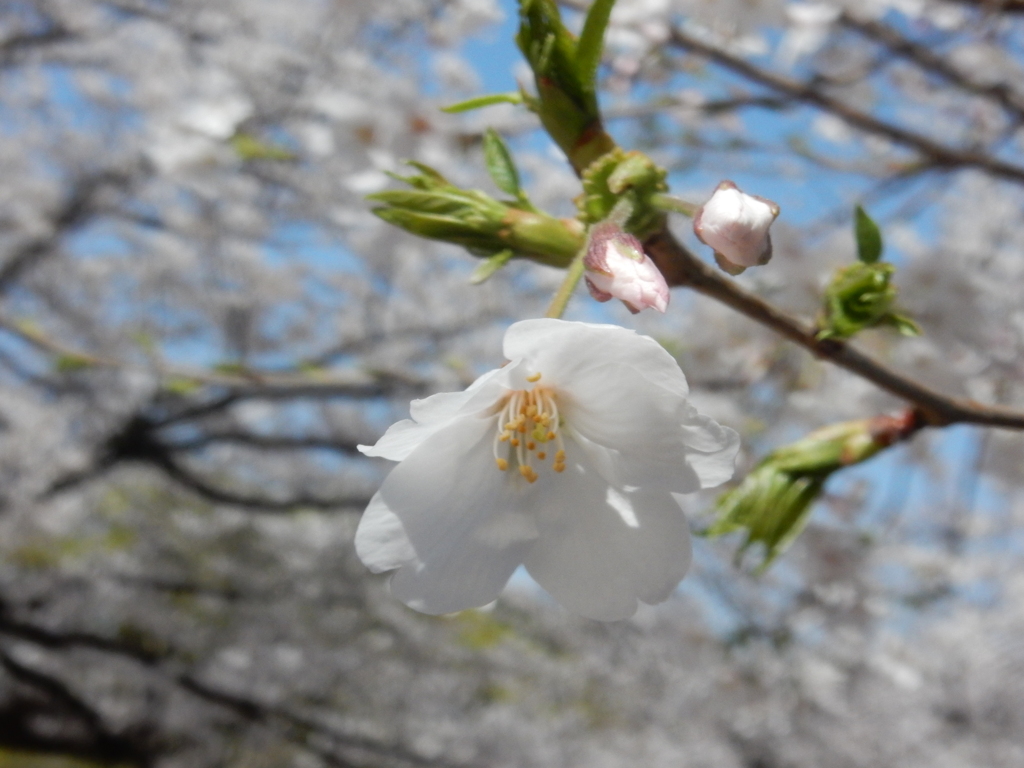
(502, 464)
(532, 379)
(531, 446)
(541, 455)
(515, 442)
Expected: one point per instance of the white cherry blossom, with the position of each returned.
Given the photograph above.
(566, 460)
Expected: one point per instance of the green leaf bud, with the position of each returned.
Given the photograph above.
(620, 175)
(774, 502)
(437, 209)
(860, 296)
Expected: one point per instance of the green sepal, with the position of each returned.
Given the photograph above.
(490, 265)
(513, 97)
(869, 237)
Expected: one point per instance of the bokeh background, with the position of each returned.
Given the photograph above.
(200, 320)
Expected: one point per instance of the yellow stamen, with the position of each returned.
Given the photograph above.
(534, 378)
(528, 420)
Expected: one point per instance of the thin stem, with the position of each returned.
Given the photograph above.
(682, 268)
(673, 204)
(565, 290)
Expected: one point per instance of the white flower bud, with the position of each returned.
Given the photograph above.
(617, 267)
(736, 225)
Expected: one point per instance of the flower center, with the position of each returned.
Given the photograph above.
(528, 421)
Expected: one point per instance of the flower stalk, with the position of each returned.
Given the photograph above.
(572, 278)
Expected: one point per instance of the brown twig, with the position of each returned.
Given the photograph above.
(682, 268)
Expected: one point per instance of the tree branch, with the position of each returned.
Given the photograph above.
(296, 726)
(934, 152)
(246, 383)
(88, 737)
(926, 59)
(682, 268)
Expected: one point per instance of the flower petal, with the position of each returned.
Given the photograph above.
(463, 518)
(445, 405)
(602, 548)
(380, 541)
(640, 434)
(711, 448)
(432, 413)
(561, 350)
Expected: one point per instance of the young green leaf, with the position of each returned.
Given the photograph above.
(869, 237)
(591, 42)
(489, 266)
(904, 325)
(512, 97)
(500, 164)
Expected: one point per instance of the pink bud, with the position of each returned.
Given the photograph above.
(736, 225)
(617, 267)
